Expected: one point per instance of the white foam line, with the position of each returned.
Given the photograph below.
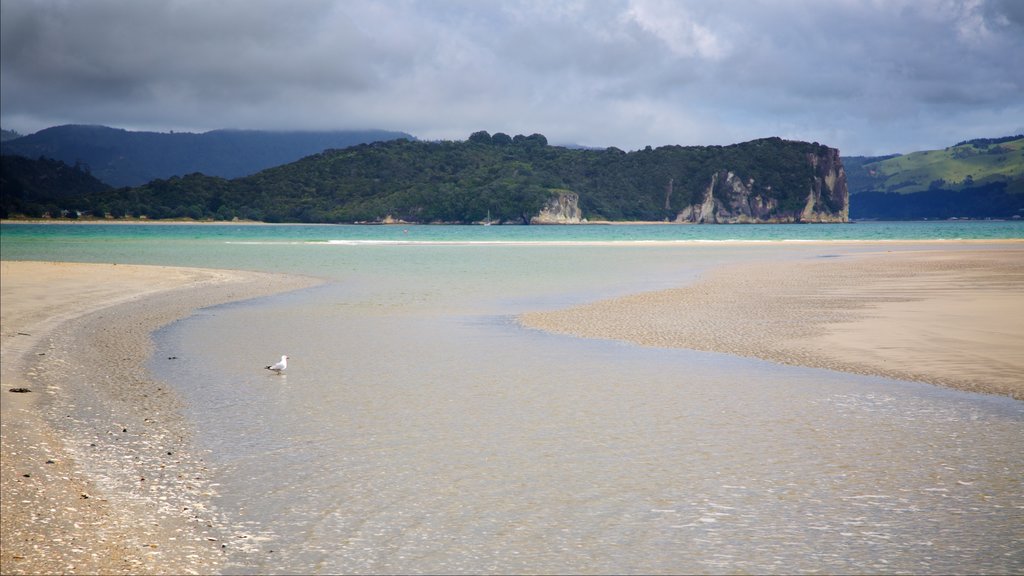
(263, 242)
(644, 242)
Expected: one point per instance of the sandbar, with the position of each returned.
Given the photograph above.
(950, 317)
(98, 472)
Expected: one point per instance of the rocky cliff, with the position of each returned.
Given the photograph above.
(562, 208)
(728, 199)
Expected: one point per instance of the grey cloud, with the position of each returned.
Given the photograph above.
(868, 77)
(1008, 12)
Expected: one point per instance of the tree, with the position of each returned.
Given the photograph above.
(481, 137)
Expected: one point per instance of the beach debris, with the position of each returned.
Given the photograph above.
(280, 366)
(23, 334)
(19, 390)
(50, 462)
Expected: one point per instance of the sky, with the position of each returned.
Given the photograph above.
(869, 77)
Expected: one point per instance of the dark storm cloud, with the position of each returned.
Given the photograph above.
(866, 76)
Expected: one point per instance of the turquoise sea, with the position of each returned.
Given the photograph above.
(421, 429)
(17, 238)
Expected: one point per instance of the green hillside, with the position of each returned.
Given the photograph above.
(499, 177)
(966, 165)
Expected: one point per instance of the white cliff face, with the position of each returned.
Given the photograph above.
(705, 212)
(562, 208)
(727, 199)
(829, 188)
(731, 199)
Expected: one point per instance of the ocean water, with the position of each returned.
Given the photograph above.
(420, 429)
(136, 238)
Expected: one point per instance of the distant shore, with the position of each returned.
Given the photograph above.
(76, 336)
(91, 220)
(945, 317)
(135, 221)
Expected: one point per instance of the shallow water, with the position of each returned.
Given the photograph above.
(420, 429)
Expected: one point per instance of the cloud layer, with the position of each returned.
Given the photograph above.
(867, 76)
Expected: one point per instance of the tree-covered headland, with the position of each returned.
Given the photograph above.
(504, 178)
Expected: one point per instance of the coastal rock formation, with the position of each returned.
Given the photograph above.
(829, 198)
(727, 199)
(562, 208)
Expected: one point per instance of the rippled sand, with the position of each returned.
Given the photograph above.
(97, 472)
(947, 317)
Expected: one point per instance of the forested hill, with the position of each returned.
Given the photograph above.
(512, 180)
(45, 186)
(127, 158)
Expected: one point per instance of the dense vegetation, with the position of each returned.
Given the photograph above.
(127, 158)
(982, 178)
(507, 179)
(37, 187)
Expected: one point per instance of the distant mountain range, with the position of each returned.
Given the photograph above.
(126, 158)
(6, 135)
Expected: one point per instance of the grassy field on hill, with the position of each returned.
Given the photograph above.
(966, 165)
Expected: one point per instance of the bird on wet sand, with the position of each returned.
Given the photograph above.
(280, 366)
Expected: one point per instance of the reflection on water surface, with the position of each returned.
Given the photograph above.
(420, 429)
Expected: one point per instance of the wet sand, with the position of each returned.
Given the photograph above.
(951, 317)
(98, 470)
(98, 474)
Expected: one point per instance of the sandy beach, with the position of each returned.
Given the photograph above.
(97, 474)
(949, 317)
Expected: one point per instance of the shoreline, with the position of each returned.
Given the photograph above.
(430, 224)
(99, 474)
(943, 317)
(126, 491)
(92, 221)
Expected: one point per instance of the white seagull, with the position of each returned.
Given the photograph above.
(280, 366)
